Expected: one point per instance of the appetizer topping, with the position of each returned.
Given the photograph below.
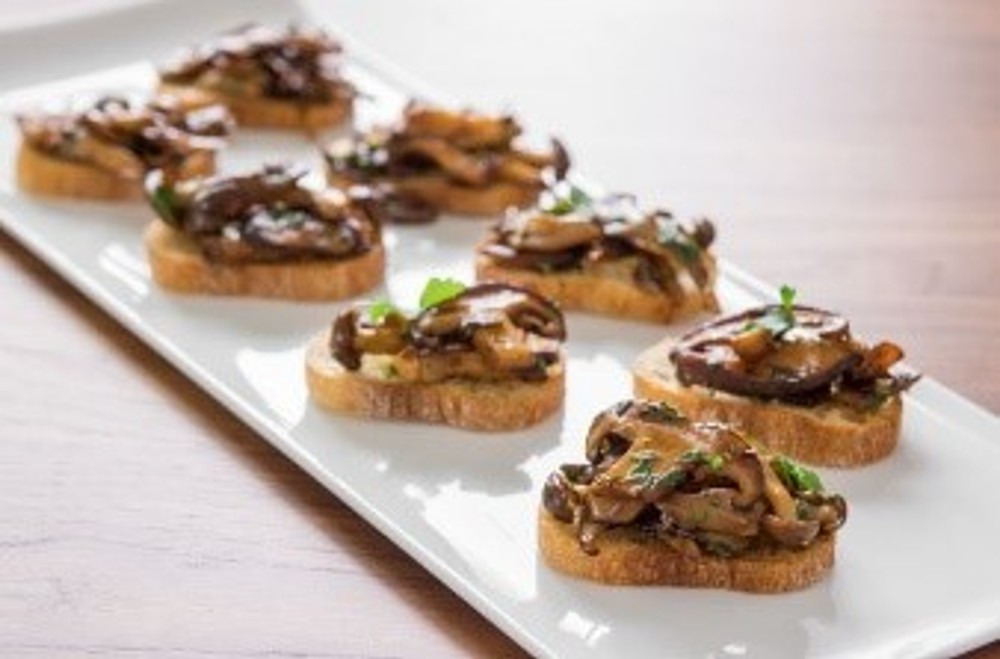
(792, 353)
(462, 147)
(255, 61)
(128, 139)
(487, 332)
(266, 217)
(610, 236)
(698, 487)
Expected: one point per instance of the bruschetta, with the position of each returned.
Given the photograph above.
(488, 357)
(604, 255)
(105, 150)
(792, 376)
(268, 78)
(459, 162)
(263, 234)
(663, 500)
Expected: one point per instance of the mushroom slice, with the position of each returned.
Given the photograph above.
(745, 471)
(878, 360)
(512, 169)
(342, 340)
(812, 355)
(711, 509)
(791, 532)
(222, 200)
(108, 156)
(533, 260)
(557, 159)
(457, 164)
(463, 129)
(300, 232)
(490, 304)
(544, 232)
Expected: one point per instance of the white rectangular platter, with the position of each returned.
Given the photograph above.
(916, 573)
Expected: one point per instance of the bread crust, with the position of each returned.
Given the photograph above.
(824, 436)
(178, 265)
(273, 113)
(587, 292)
(42, 174)
(626, 558)
(437, 191)
(487, 406)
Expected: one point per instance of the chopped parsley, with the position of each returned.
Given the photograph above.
(660, 412)
(795, 476)
(779, 318)
(574, 199)
(436, 291)
(671, 235)
(439, 290)
(380, 309)
(787, 295)
(713, 461)
(164, 201)
(643, 473)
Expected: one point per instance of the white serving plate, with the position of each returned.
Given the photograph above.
(916, 573)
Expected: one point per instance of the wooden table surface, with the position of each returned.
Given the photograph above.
(851, 149)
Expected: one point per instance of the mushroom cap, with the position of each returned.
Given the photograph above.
(811, 354)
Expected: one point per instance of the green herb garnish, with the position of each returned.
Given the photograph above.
(778, 319)
(439, 290)
(164, 201)
(713, 461)
(380, 309)
(574, 199)
(671, 235)
(643, 474)
(787, 295)
(795, 476)
(660, 412)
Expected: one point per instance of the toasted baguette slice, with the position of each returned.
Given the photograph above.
(824, 435)
(42, 174)
(581, 291)
(274, 113)
(440, 193)
(178, 265)
(467, 404)
(625, 557)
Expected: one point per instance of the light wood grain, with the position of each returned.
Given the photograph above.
(851, 149)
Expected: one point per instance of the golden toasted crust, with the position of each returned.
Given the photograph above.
(493, 406)
(42, 174)
(274, 113)
(626, 558)
(823, 435)
(178, 265)
(587, 292)
(437, 191)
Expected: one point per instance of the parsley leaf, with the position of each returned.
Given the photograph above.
(439, 290)
(643, 474)
(778, 319)
(164, 201)
(380, 309)
(671, 479)
(573, 199)
(672, 236)
(787, 295)
(713, 461)
(660, 412)
(795, 476)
